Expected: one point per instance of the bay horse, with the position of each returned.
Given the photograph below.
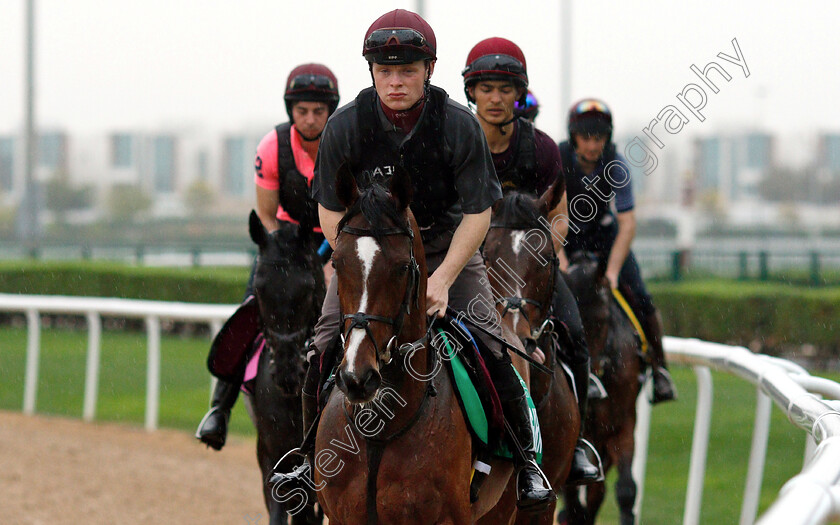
(615, 351)
(521, 267)
(289, 287)
(392, 445)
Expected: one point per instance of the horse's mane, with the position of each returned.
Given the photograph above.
(517, 209)
(376, 205)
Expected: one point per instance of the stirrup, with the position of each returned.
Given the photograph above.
(538, 505)
(596, 388)
(653, 399)
(585, 443)
(295, 474)
(199, 431)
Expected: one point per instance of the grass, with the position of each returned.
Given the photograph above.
(185, 390)
(184, 379)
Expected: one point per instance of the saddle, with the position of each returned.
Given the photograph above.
(234, 343)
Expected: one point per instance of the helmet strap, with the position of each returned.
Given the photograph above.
(503, 124)
(301, 135)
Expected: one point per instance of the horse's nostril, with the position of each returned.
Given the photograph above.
(371, 382)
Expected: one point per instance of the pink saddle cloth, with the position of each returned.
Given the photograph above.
(251, 368)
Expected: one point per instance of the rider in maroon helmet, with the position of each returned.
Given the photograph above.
(528, 161)
(289, 150)
(403, 120)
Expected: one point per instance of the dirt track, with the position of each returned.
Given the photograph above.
(55, 470)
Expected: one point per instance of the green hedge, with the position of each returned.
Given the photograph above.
(776, 315)
(99, 279)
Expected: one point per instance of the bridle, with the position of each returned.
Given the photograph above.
(274, 338)
(363, 320)
(517, 303)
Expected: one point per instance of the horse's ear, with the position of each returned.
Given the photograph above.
(345, 186)
(258, 232)
(552, 196)
(401, 188)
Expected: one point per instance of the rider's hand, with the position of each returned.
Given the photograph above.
(437, 295)
(613, 279)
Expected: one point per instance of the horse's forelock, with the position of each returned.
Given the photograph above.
(519, 209)
(375, 205)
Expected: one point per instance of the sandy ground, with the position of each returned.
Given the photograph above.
(56, 471)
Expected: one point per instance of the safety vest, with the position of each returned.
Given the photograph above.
(576, 186)
(285, 158)
(421, 155)
(520, 172)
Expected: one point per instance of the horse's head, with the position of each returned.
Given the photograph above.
(588, 283)
(290, 288)
(380, 267)
(521, 262)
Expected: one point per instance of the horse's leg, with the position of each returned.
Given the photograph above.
(625, 486)
(595, 492)
(594, 498)
(574, 511)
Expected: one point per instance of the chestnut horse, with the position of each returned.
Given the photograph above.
(289, 287)
(521, 266)
(616, 357)
(392, 445)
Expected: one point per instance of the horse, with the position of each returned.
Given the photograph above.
(392, 445)
(289, 288)
(521, 268)
(615, 351)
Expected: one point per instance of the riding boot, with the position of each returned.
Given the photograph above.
(583, 471)
(663, 386)
(533, 491)
(297, 478)
(214, 425)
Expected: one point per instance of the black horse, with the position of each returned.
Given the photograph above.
(289, 287)
(616, 357)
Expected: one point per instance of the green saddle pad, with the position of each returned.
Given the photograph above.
(474, 410)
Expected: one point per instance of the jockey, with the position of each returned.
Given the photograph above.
(598, 176)
(527, 160)
(290, 149)
(404, 120)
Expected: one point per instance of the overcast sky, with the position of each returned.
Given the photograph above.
(124, 64)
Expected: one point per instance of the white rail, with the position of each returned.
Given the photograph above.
(812, 497)
(94, 309)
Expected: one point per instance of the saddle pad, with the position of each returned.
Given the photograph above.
(473, 409)
(251, 369)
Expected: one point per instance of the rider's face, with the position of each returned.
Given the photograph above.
(590, 147)
(310, 118)
(494, 100)
(400, 86)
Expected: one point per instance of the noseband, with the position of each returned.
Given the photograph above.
(363, 320)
